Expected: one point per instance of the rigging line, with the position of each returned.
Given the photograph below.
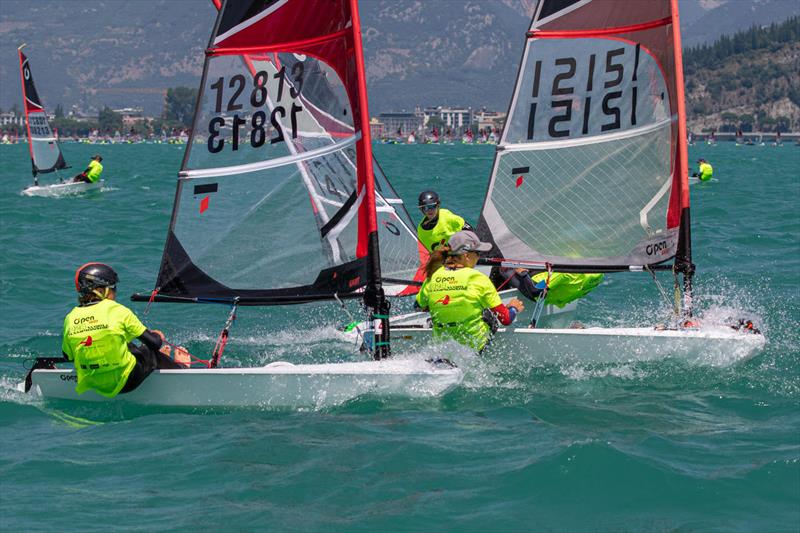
(540, 302)
(676, 306)
(194, 358)
(223, 336)
(353, 323)
(658, 285)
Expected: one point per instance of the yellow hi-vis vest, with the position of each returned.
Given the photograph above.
(96, 339)
(705, 171)
(448, 224)
(565, 288)
(456, 300)
(95, 169)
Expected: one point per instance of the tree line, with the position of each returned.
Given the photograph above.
(177, 114)
(755, 38)
(741, 71)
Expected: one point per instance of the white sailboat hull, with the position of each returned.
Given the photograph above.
(716, 346)
(63, 189)
(277, 385)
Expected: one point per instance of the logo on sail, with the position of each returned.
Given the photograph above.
(520, 172)
(658, 248)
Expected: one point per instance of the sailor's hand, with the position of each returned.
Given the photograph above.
(516, 302)
(160, 334)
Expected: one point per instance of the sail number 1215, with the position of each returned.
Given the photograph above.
(565, 117)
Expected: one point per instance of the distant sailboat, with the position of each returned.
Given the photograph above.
(45, 150)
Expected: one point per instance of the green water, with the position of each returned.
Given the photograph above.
(653, 446)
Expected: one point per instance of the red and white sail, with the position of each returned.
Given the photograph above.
(279, 199)
(42, 143)
(591, 169)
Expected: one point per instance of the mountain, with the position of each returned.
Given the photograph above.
(418, 52)
(748, 81)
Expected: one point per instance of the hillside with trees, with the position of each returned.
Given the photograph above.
(748, 81)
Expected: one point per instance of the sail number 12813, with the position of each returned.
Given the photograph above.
(259, 120)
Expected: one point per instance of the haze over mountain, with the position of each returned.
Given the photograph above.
(445, 52)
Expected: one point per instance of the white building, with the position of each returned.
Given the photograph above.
(490, 119)
(457, 119)
(9, 118)
(402, 122)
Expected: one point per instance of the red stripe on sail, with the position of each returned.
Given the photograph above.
(367, 218)
(276, 47)
(679, 197)
(597, 32)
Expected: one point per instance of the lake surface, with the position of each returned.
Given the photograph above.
(654, 446)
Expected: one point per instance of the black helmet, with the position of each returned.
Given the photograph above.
(427, 198)
(93, 276)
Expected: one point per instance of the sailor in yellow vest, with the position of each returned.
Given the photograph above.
(98, 334)
(439, 224)
(92, 172)
(457, 295)
(562, 289)
(704, 170)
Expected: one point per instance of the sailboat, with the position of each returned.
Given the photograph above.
(280, 147)
(45, 150)
(591, 175)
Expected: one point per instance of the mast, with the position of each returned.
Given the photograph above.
(25, 107)
(374, 296)
(683, 255)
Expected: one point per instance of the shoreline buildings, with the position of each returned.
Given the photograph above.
(430, 123)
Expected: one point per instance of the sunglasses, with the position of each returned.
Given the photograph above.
(428, 207)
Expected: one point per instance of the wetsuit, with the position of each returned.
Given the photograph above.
(509, 278)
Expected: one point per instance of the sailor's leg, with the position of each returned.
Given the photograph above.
(145, 364)
(146, 361)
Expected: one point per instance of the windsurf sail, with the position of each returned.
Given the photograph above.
(43, 145)
(279, 199)
(590, 174)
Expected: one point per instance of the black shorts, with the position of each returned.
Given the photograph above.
(147, 360)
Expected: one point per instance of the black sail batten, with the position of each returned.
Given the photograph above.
(550, 7)
(340, 214)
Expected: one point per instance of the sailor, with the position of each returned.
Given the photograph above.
(704, 170)
(98, 334)
(92, 172)
(516, 278)
(562, 288)
(438, 224)
(457, 295)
